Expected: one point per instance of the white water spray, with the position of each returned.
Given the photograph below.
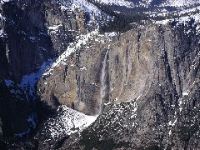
(103, 85)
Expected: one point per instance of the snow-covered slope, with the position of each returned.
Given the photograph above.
(67, 121)
(115, 2)
(96, 14)
(148, 3)
(178, 3)
(81, 4)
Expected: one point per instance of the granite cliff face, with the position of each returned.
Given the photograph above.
(166, 116)
(152, 89)
(129, 66)
(135, 61)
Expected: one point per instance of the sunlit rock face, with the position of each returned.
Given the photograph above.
(112, 74)
(136, 61)
(152, 88)
(160, 90)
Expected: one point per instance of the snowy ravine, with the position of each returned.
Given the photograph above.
(67, 121)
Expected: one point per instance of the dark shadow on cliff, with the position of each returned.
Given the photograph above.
(28, 46)
(27, 41)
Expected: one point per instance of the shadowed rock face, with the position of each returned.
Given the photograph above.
(25, 31)
(35, 31)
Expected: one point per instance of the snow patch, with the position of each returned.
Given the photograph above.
(181, 15)
(170, 132)
(68, 121)
(86, 6)
(83, 68)
(110, 34)
(172, 123)
(54, 27)
(2, 33)
(116, 2)
(4, 1)
(185, 93)
(29, 81)
(180, 3)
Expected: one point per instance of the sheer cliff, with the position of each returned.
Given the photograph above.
(94, 74)
(151, 89)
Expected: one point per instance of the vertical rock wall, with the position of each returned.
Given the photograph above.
(144, 58)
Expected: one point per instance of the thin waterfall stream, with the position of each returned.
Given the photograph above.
(103, 80)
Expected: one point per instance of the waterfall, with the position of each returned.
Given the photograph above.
(103, 80)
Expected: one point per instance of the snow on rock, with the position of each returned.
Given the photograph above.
(185, 93)
(170, 132)
(95, 16)
(111, 34)
(4, 1)
(182, 16)
(86, 6)
(147, 3)
(180, 105)
(179, 3)
(80, 41)
(28, 82)
(172, 123)
(27, 85)
(54, 27)
(67, 122)
(115, 2)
